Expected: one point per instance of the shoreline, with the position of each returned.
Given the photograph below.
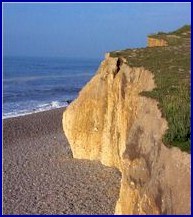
(4, 117)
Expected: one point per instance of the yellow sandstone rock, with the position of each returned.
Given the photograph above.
(155, 42)
(111, 122)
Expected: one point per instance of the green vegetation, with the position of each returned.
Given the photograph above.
(171, 68)
(175, 38)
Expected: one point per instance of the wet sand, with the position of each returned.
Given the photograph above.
(41, 177)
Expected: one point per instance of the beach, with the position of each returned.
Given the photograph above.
(41, 177)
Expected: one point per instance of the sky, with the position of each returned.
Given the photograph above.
(83, 29)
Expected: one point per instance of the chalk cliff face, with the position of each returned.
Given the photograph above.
(111, 122)
(154, 42)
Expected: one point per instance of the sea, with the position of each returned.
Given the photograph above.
(35, 84)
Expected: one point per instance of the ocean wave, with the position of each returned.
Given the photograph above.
(35, 109)
(39, 93)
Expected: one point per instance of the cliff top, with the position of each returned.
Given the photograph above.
(171, 68)
(180, 36)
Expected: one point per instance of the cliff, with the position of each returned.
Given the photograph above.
(112, 122)
(154, 42)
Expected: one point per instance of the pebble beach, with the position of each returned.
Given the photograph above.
(40, 175)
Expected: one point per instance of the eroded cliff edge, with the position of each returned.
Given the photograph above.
(111, 122)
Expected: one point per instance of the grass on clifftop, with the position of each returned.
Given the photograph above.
(171, 67)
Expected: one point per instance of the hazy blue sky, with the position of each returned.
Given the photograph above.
(85, 30)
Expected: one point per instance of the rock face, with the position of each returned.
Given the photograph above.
(154, 42)
(111, 122)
